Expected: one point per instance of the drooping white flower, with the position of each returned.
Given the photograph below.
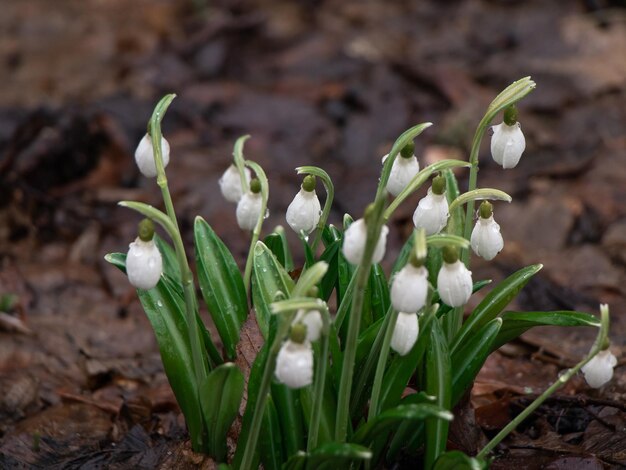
(409, 288)
(294, 364)
(144, 264)
(507, 144)
(599, 370)
(405, 333)
(144, 156)
(486, 238)
(454, 283)
(230, 183)
(312, 319)
(431, 213)
(402, 172)
(248, 210)
(304, 211)
(354, 242)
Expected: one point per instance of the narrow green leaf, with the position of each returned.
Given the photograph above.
(270, 440)
(455, 222)
(329, 281)
(443, 308)
(329, 408)
(457, 460)
(310, 278)
(170, 262)
(379, 292)
(289, 409)
(334, 455)
(277, 243)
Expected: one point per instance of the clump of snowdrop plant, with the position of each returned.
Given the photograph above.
(328, 387)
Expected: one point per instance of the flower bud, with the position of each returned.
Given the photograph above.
(599, 370)
(354, 240)
(249, 210)
(230, 183)
(486, 238)
(409, 289)
(304, 211)
(294, 364)
(312, 319)
(405, 333)
(454, 283)
(144, 156)
(431, 213)
(507, 144)
(144, 264)
(403, 170)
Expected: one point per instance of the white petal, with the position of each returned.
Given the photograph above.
(381, 245)
(486, 238)
(304, 212)
(409, 289)
(230, 183)
(599, 370)
(454, 283)
(507, 144)
(402, 172)
(313, 321)
(354, 243)
(405, 333)
(431, 213)
(144, 156)
(143, 264)
(249, 210)
(294, 364)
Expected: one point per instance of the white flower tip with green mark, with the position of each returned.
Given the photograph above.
(405, 333)
(599, 370)
(294, 364)
(312, 319)
(354, 243)
(486, 238)
(507, 144)
(230, 183)
(144, 264)
(409, 289)
(144, 156)
(402, 172)
(431, 213)
(304, 212)
(249, 210)
(454, 283)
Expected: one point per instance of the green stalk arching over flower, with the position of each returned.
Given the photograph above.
(330, 194)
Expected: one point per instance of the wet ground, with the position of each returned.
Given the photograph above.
(329, 83)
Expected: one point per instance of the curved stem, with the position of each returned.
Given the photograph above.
(330, 195)
(260, 174)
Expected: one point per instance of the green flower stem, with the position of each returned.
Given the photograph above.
(380, 367)
(200, 360)
(240, 162)
(345, 303)
(599, 344)
(480, 194)
(260, 174)
(318, 391)
(330, 195)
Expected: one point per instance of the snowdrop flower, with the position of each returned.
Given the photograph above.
(404, 168)
(143, 261)
(486, 239)
(454, 281)
(249, 206)
(230, 183)
(354, 242)
(144, 156)
(599, 370)
(409, 288)
(304, 211)
(312, 319)
(432, 211)
(507, 142)
(405, 333)
(294, 363)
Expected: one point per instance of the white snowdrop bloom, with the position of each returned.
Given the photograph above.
(599, 370)
(312, 319)
(354, 242)
(304, 211)
(409, 288)
(454, 283)
(405, 333)
(294, 364)
(144, 264)
(144, 156)
(402, 172)
(249, 210)
(507, 144)
(486, 238)
(431, 213)
(230, 183)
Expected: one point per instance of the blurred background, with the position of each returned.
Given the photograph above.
(328, 83)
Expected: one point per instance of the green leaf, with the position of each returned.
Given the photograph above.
(277, 243)
(309, 257)
(289, 409)
(494, 303)
(438, 384)
(329, 409)
(443, 308)
(296, 461)
(457, 460)
(334, 455)
(270, 440)
(220, 395)
(221, 285)
(269, 279)
(455, 222)
(470, 357)
(170, 262)
(516, 323)
(309, 278)
(379, 292)
(330, 234)
(329, 281)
